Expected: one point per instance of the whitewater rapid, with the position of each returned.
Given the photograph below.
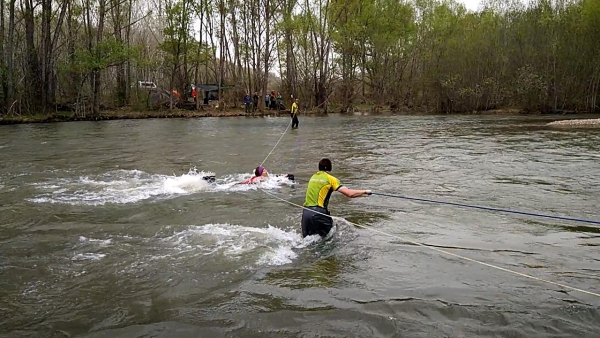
(131, 186)
(250, 245)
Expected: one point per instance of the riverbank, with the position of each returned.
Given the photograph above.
(127, 114)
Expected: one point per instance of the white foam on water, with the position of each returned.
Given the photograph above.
(99, 242)
(88, 256)
(232, 183)
(266, 246)
(40, 200)
(131, 186)
(120, 187)
(279, 256)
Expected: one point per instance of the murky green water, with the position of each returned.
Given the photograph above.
(106, 229)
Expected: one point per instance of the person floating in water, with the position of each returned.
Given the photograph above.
(294, 113)
(260, 174)
(315, 215)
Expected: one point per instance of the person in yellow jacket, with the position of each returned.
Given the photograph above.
(294, 113)
(315, 215)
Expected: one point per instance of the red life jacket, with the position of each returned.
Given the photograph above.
(251, 180)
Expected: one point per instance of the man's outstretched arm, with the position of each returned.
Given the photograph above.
(353, 193)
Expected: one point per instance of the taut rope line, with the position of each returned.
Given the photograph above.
(425, 245)
(464, 205)
(489, 208)
(276, 144)
(446, 252)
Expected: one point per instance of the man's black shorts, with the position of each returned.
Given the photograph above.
(316, 224)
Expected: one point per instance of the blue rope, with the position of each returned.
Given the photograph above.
(489, 208)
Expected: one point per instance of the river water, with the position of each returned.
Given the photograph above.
(108, 230)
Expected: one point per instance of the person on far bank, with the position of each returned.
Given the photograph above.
(279, 101)
(273, 97)
(247, 103)
(254, 102)
(194, 93)
(294, 113)
(267, 100)
(315, 215)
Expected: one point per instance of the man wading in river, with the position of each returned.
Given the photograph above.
(315, 216)
(294, 113)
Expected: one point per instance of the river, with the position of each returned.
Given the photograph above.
(108, 230)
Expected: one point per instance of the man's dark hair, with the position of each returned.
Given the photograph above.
(325, 165)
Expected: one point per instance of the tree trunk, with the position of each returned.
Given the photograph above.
(32, 79)
(251, 83)
(267, 43)
(3, 88)
(75, 79)
(128, 40)
(121, 92)
(236, 51)
(10, 57)
(221, 52)
(96, 73)
(198, 56)
(183, 74)
(51, 42)
(290, 64)
(47, 89)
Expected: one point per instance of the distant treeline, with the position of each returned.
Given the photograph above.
(430, 55)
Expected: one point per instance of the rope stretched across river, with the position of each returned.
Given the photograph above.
(444, 251)
(489, 208)
(276, 144)
(464, 205)
(568, 287)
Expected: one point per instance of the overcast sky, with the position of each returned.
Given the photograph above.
(470, 4)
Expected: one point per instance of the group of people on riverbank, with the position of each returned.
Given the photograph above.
(273, 101)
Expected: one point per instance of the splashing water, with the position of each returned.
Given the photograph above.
(131, 186)
(232, 183)
(266, 246)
